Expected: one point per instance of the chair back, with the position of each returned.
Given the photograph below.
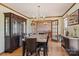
(31, 44)
(47, 38)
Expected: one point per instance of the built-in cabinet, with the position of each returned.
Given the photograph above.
(65, 43)
(71, 45)
(14, 30)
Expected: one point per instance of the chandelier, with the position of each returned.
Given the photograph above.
(40, 15)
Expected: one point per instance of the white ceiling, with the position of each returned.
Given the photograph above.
(46, 9)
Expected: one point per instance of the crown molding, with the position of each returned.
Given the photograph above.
(68, 9)
(47, 17)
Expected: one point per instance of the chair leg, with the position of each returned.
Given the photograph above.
(45, 51)
(23, 48)
(38, 51)
(23, 51)
(27, 53)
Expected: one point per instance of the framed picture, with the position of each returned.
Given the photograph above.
(73, 19)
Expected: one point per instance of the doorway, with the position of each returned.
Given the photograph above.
(54, 30)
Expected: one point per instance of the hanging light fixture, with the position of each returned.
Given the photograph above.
(40, 15)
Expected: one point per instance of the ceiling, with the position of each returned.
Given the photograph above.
(46, 9)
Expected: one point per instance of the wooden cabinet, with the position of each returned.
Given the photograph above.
(71, 45)
(65, 43)
(14, 28)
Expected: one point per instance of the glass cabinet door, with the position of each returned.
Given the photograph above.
(15, 27)
(7, 27)
(24, 28)
(7, 33)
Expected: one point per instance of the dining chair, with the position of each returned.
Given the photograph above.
(43, 47)
(31, 46)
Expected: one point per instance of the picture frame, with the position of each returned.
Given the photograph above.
(73, 19)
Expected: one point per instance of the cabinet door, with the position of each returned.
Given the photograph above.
(7, 27)
(14, 27)
(7, 34)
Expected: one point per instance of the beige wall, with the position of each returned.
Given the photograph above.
(29, 28)
(61, 26)
(72, 32)
(1, 33)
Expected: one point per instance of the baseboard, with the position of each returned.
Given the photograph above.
(54, 40)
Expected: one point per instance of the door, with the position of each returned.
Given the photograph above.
(54, 27)
(7, 33)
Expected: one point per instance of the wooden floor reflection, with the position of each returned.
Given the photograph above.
(55, 49)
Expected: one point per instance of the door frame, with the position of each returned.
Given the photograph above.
(57, 28)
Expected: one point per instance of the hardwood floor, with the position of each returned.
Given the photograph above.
(17, 52)
(54, 49)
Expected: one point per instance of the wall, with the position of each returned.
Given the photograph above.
(71, 28)
(1, 32)
(72, 32)
(29, 28)
(61, 26)
(44, 27)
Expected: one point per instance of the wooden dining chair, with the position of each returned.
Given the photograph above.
(30, 46)
(43, 47)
